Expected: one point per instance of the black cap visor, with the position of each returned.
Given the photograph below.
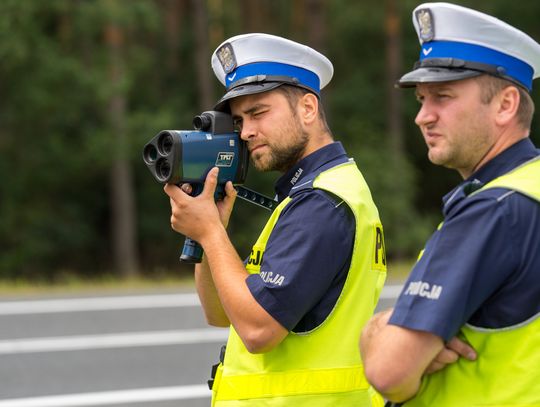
(257, 84)
(435, 74)
(248, 89)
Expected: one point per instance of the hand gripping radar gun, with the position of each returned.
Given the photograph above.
(186, 156)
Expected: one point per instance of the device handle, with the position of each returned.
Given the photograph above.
(192, 252)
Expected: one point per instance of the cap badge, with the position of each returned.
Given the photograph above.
(226, 57)
(425, 22)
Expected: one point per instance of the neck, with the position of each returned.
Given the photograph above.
(500, 145)
(317, 139)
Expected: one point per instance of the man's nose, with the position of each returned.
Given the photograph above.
(425, 115)
(248, 130)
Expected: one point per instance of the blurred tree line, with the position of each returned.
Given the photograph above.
(84, 84)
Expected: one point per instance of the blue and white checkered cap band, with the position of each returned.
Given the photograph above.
(303, 76)
(506, 64)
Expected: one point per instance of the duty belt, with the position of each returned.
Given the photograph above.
(214, 367)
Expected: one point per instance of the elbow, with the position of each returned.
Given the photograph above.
(380, 380)
(391, 384)
(258, 341)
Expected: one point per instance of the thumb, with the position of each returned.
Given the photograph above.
(211, 182)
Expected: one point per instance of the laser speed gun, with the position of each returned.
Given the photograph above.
(186, 156)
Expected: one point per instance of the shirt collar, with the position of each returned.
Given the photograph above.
(517, 154)
(307, 165)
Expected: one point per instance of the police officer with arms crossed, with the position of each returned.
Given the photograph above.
(479, 273)
(296, 307)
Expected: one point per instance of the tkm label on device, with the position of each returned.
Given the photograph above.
(225, 159)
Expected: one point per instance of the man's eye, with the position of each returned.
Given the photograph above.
(237, 125)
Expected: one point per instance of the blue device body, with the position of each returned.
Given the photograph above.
(196, 152)
(186, 156)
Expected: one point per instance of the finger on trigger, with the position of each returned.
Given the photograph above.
(186, 188)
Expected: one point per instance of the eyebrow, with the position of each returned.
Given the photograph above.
(432, 90)
(252, 109)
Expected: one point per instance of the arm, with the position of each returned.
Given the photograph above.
(477, 230)
(211, 304)
(204, 283)
(259, 331)
(396, 358)
(224, 274)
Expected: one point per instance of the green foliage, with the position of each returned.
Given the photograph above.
(56, 140)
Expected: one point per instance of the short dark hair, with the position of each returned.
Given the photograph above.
(491, 86)
(294, 93)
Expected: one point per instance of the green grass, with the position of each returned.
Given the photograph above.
(397, 273)
(103, 285)
(398, 270)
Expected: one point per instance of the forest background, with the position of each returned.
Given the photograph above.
(84, 84)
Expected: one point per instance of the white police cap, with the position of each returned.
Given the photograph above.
(459, 43)
(254, 63)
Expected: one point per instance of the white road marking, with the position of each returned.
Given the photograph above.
(99, 304)
(112, 397)
(123, 303)
(131, 339)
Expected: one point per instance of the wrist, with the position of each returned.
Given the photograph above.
(214, 237)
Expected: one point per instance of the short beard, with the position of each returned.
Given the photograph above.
(284, 159)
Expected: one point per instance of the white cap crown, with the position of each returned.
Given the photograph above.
(252, 63)
(455, 38)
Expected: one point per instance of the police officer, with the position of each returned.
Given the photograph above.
(296, 306)
(478, 275)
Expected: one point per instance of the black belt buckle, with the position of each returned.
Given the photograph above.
(214, 367)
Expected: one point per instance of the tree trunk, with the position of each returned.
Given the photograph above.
(393, 70)
(122, 194)
(397, 155)
(203, 70)
(254, 15)
(172, 13)
(216, 30)
(316, 24)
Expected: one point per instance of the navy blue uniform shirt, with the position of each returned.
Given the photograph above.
(482, 266)
(308, 253)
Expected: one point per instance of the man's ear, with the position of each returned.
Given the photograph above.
(508, 101)
(309, 108)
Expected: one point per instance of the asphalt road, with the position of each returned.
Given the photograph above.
(145, 349)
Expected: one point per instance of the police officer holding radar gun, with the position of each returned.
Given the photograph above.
(297, 305)
(479, 274)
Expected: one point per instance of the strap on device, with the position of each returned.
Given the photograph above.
(256, 198)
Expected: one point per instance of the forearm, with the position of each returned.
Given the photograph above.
(223, 279)
(395, 358)
(213, 310)
(258, 330)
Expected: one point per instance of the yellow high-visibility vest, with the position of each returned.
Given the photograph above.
(507, 371)
(321, 367)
